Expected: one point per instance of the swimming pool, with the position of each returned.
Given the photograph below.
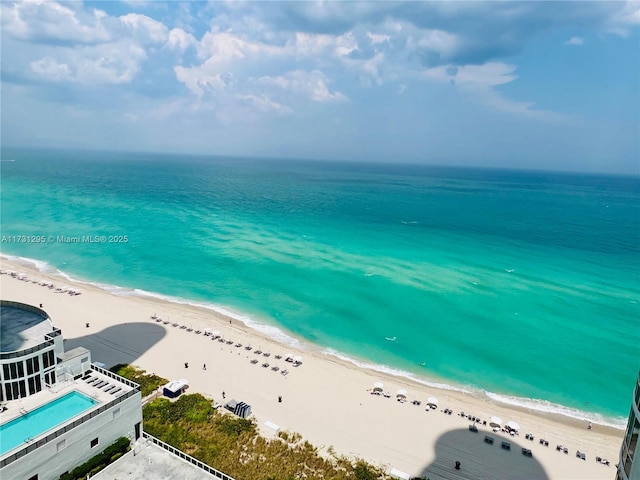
(42, 419)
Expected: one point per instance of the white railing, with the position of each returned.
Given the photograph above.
(188, 458)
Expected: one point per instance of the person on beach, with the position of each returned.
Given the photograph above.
(186, 364)
(204, 367)
(223, 395)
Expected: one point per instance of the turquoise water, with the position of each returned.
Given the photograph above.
(42, 419)
(519, 285)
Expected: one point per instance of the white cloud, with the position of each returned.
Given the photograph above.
(116, 62)
(376, 38)
(575, 41)
(51, 21)
(624, 18)
(311, 84)
(305, 44)
(264, 104)
(181, 40)
(146, 29)
(473, 76)
(50, 69)
(480, 82)
(438, 41)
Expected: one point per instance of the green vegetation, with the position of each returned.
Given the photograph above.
(148, 383)
(233, 446)
(100, 461)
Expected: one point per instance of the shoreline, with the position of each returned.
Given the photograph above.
(408, 438)
(276, 334)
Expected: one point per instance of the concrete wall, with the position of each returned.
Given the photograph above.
(53, 459)
(72, 364)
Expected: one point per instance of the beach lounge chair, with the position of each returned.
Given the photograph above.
(238, 345)
(275, 368)
(248, 348)
(278, 357)
(258, 352)
(254, 361)
(265, 365)
(285, 372)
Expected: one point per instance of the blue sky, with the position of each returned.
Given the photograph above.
(534, 85)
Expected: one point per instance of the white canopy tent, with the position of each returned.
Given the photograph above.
(432, 401)
(513, 425)
(401, 394)
(495, 422)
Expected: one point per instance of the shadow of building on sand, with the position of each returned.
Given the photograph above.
(482, 456)
(122, 343)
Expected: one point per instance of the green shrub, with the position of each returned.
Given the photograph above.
(148, 383)
(99, 461)
(233, 445)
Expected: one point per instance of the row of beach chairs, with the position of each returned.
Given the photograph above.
(103, 385)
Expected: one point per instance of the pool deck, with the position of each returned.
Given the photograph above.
(17, 408)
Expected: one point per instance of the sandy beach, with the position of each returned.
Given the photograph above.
(324, 399)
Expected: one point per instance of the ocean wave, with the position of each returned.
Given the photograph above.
(387, 370)
(270, 331)
(554, 408)
(513, 401)
(39, 265)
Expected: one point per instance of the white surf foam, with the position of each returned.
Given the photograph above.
(557, 409)
(270, 331)
(391, 371)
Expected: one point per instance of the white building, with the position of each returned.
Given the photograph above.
(59, 410)
(629, 466)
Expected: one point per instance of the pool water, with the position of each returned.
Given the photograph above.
(42, 419)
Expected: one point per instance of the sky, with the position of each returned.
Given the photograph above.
(524, 85)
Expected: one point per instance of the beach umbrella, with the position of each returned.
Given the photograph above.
(402, 393)
(432, 401)
(378, 386)
(513, 425)
(297, 359)
(495, 422)
(288, 357)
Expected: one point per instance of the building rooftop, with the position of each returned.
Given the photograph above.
(151, 462)
(99, 387)
(22, 328)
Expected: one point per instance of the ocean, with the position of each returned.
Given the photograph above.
(521, 286)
